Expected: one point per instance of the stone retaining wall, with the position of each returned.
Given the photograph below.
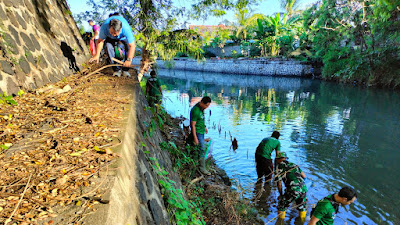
(239, 66)
(134, 194)
(39, 43)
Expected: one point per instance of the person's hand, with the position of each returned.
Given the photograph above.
(196, 141)
(207, 139)
(92, 38)
(127, 63)
(94, 59)
(206, 130)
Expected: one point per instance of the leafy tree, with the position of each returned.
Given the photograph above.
(156, 25)
(357, 41)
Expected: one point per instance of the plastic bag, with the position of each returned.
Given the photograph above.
(92, 47)
(209, 149)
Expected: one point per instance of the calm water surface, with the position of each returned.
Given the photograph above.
(339, 135)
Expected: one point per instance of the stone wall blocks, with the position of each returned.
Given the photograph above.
(42, 63)
(8, 3)
(29, 6)
(145, 216)
(149, 182)
(44, 77)
(53, 78)
(21, 21)
(21, 77)
(3, 14)
(26, 17)
(28, 42)
(23, 63)
(35, 42)
(38, 81)
(14, 33)
(12, 18)
(157, 212)
(12, 87)
(6, 67)
(10, 44)
(29, 56)
(142, 192)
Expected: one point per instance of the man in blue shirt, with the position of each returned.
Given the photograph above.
(118, 36)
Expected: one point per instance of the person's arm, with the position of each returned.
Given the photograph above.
(98, 47)
(303, 175)
(278, 148)
(193, 127)
(131, 53)
(313, 221)
(95, 33)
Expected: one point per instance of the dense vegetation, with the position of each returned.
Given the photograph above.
(354, 41)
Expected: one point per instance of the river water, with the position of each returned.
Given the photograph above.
(338, 134)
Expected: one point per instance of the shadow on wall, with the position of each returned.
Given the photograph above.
(67, 52)
(62, 6)
(41, 9)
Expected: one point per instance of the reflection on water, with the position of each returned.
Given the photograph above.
(339, 135)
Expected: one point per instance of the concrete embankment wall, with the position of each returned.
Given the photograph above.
(39, 43)
(134, 192)
(239, 66)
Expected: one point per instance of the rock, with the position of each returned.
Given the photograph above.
(149, 182)
(12, 18)
(10, 44)
(12, 87)
(28, 42)
(142, 192)
(6, 67)
(14, 33)
(157, 212)
(23, 63)
(35, 42)
(20, 20)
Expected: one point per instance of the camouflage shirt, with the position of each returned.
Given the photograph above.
(290, 174)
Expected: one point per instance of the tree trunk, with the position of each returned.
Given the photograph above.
(145, 63)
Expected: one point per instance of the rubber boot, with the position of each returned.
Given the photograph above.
(281, 214)
(302, 215)
(203, 169)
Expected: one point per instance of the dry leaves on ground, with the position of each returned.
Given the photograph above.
(57, 141)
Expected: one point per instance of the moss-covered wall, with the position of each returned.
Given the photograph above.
(39, 43)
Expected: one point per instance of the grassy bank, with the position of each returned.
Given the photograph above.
(205, 199)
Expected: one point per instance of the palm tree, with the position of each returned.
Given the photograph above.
(290, 6)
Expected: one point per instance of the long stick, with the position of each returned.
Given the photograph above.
(19, 202)
(120, 62)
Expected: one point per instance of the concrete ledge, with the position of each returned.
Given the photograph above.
(133, 192)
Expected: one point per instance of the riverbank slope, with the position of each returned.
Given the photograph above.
(89, 150)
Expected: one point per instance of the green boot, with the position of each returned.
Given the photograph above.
(203, 169)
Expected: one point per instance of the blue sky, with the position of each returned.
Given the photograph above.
(266, 7)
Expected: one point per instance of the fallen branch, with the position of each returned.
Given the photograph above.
(194, 181)
(19, 202)
(120, 62)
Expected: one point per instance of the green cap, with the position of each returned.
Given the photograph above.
(281, 155)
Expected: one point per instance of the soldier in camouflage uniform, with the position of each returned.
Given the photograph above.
(296, 190)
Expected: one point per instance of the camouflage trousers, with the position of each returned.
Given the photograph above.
(297, 195)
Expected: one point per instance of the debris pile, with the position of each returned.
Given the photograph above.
(56, 145)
